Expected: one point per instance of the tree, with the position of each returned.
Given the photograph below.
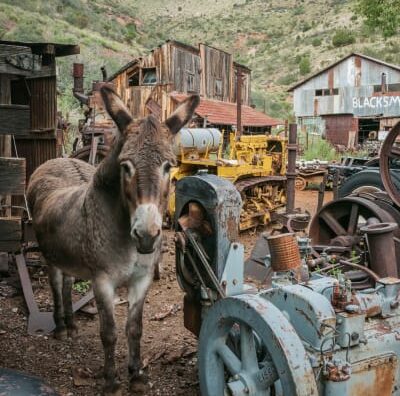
(383, 15)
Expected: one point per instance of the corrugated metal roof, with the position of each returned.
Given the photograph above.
(395, 67)
(38, 48)
(224, 113)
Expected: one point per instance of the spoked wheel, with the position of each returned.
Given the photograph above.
(338, 223)
(390, 150)
(266, 359)
(84, 154)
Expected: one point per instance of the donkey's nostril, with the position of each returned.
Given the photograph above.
(136, 234)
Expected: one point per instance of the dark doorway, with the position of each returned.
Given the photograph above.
(365, 127)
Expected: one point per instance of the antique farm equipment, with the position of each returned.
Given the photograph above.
(310, 172)
(97, 129)
(255, 164)
(325, 324)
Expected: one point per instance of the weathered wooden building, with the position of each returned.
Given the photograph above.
(156, 83)
(349, 99)
(28, 100)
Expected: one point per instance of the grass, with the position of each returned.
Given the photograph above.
(320, 149)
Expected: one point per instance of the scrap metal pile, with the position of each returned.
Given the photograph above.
(325, 319)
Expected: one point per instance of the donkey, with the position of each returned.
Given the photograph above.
(104, 224)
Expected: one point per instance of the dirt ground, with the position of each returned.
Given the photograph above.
(73, 368)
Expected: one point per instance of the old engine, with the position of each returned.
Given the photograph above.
(326, 321)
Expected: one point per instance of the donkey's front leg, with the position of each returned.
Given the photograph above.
(104, 293)
(137, 290)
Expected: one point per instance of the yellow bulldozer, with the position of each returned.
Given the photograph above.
(256, 164)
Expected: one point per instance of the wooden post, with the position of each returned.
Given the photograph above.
(5, 140)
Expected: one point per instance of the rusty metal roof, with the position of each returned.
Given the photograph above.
(224, 113)
(308, 78)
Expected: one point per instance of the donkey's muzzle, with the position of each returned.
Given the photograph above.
(146, 243)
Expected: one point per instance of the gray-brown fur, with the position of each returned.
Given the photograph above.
(103, 224)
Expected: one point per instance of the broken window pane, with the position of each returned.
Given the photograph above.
(149, 76)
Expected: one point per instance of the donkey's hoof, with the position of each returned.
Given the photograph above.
(73, 332)
(60, 334)
(139, 386)
(112, 390)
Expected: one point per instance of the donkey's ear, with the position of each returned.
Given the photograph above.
(183, 114)
(116, 108)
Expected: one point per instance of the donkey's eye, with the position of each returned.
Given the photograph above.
(167, 167)
(128, 168)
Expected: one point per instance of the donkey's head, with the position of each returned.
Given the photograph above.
(145, 159)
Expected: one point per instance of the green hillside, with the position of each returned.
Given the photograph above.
(280, 40)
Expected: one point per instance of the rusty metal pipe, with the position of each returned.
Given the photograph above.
(77, 90)
(291, 169)
(239, 103)
(382, 250)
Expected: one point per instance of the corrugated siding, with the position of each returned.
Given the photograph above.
(355, 77)
(43, 103)
(338, 127)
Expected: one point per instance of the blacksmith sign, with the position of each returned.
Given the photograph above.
(376, 105)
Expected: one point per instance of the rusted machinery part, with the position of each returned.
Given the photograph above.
(390, 151)
(84, 153)
(14, 382)
(337, 223)
(300, 183)
(245, 184)
(371, 273)
(284, 250)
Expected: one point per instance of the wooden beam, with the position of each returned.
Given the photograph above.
(12, 176)
(14, 119)
(10, 229)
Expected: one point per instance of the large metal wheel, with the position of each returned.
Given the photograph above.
(269, 358)
(338, 222)
(84, 154)
(390, 151)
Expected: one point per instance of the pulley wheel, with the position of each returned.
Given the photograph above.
(390, 151)
(338, 222)
(267, 359)
(300, 183)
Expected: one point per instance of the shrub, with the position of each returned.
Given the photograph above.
(316, 42)
(319, 149)
(287, 79)
(305, 65)
(343, 37)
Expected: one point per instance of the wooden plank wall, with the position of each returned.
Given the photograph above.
(43, 104)
(12, 176)
(14, 119)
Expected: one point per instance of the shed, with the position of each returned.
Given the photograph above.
(156, 82)
(28, 105)
(349, 99)
(28, 99)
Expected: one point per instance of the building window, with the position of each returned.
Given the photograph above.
(133, 79)
(149, 76)
(389, 88)
(190, 83)
(218, 87)
(327, 92)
